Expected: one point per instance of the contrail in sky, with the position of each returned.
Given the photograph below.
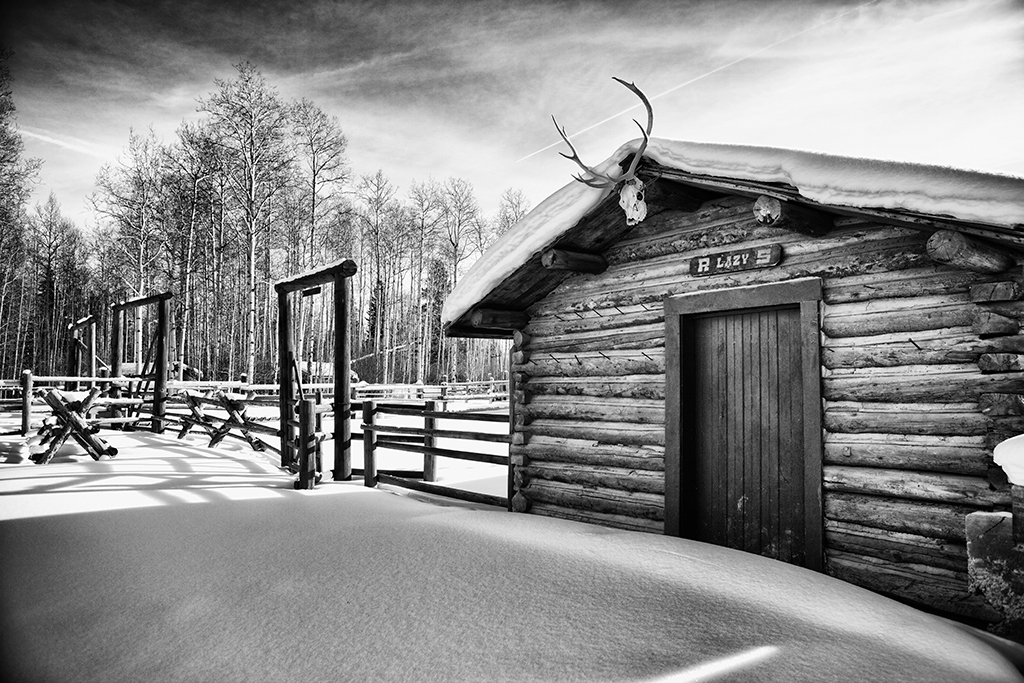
(705, 75)
(83, 148)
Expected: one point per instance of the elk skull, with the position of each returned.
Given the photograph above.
(631, 195)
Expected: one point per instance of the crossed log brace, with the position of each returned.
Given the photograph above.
(70, 419)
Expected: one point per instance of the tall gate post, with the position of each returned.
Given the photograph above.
(342, 385)
(339, 273)
(26, 401)
(286, 396)
(161, 367)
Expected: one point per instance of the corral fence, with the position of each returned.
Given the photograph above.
(377, 435)
(248, 412)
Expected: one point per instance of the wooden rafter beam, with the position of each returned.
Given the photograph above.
(490, 318)
(575, 261)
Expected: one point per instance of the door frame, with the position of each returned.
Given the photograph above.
(680, 509)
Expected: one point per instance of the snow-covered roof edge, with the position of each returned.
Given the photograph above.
(827, 179)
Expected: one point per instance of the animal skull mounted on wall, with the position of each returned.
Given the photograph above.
(631, 190)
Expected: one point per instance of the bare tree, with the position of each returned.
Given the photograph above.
(251, 123)
(512, 207)
(130, 195)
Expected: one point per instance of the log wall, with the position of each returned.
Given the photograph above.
(921, 376)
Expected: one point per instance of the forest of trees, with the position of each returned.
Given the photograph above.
(255, 190)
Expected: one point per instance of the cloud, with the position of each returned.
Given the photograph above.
(466, 88)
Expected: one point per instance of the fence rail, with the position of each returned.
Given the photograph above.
(229, 418)
(372, 441)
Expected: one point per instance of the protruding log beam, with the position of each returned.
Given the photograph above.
(997, 291)
(957, 249)
(520, 339)
(1001, 404)
(988, 324)
(320, 276)
(771, 211)
(502, 320)
(1001, 362)
(577, 262)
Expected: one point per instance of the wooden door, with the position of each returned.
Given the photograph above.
(748, 453)
(743, 440)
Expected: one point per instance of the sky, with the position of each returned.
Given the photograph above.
(467, 89)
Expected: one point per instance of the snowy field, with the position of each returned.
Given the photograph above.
(176, 562)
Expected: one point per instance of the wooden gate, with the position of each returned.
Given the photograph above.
(743, 430)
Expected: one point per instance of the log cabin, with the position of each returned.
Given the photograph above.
(798, 355)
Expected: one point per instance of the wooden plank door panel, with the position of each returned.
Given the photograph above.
(743, 418)
(749, 431)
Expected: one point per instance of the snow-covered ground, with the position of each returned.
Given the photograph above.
(175, 562)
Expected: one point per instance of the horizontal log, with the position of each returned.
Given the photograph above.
(541, 448)
(963, 251)
(593, 363)
(930, 280)
(641, 337)
(141, 301)
(595, 498)
(589, 408)
(953, 419)
(682, 241)
(928, 486)
(887, 316)
(963, 455)
(935, 520)
(650, 281)
(626, 433)
(924, 383)
(894, 546)
(319, 276)
(626, 386)
(626, 522)
(926, 347)
(937, 588)
(587, 475)
(597, 320)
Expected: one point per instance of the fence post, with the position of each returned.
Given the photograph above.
(369, 444)
(429, 424)
(318, 428)
(26, 401)
(307, 444)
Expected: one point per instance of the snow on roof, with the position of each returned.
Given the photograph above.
(823, 178)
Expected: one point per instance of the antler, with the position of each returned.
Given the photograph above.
(601, 180)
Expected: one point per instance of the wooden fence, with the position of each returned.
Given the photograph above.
(377, 436)
(224, 409)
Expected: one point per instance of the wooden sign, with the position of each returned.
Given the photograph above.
(732, 261)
